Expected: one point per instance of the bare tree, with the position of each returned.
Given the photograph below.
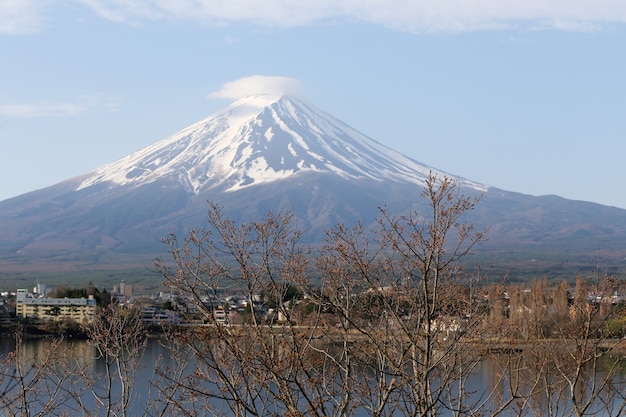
(48, 381)
(404, 314)
(584, 370)
(410, 302)
(119, 340)
(564, 364)
(261, 367)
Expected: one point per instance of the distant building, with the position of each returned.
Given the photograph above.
(123, 291)
(77, 309)
(220, 315)
(41, 290)
(156, 316)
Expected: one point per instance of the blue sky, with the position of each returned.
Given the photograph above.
(527, 96)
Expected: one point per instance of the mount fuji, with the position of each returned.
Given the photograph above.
(268, 152)
(259, 140)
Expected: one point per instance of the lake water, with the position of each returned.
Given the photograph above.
(488, 383)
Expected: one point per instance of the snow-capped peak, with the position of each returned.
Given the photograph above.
(260, 139)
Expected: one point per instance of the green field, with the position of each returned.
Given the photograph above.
(142, 280)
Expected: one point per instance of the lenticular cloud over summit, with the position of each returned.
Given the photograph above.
(258, 84)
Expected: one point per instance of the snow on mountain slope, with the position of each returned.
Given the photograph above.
(261, 139)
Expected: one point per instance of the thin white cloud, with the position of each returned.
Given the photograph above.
(413, 16)
(127, 10)
(416, 16)
(83, 104)
(21, 17)
(41, 110)
(257, 84)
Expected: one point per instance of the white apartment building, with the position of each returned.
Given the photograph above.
(77, 309)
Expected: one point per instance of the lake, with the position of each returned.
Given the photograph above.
(490, 384)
